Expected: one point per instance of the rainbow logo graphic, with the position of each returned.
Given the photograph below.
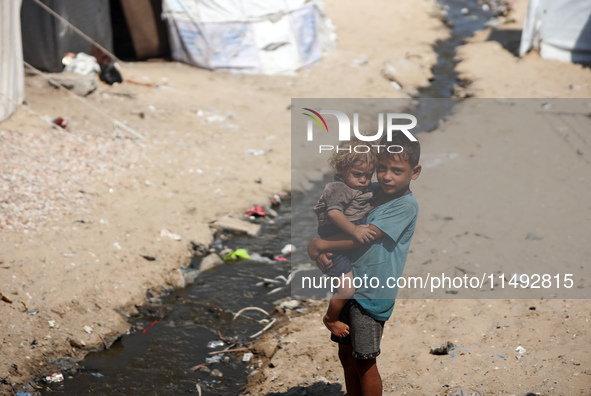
(316, 119)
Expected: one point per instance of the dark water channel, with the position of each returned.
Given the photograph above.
(157, 362)
(429, 111)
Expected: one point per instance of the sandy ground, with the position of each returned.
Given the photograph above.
(79, 207)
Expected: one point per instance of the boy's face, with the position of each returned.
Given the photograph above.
(394, 174)
(358, 176)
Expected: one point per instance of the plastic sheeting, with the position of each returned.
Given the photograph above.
(12, 75)
(560, 29)
(248, 36)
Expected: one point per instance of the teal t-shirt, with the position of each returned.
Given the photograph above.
(380, 262)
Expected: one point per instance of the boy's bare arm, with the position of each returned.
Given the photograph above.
(361, 233)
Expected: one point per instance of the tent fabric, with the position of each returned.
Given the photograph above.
(560, 29)
(247, 36)
(46, 39)
(12, 75)
(147, 30)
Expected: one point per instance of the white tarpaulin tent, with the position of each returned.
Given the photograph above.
(560, 29)
(12, 75)
(248, 36)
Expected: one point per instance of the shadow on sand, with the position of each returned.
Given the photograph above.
(510, 39)
(317, 389)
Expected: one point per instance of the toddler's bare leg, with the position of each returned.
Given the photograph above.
(336, 305)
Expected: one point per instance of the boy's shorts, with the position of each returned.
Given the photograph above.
(341, 262)
(366, 332)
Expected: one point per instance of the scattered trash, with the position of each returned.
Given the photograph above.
(166, 233)
(148, 257)
(280, 258)
(199, 366)
(109, 72)
(213, 359)
(54, 378)
(256, 152)
(150, 326)
(256, 211)
(216, 373)
(237, 254)
(215, 344)
(465, 11)
(454, 348)
(60, 122)
(442, 349)
(5, 298)
(33, 312)
(501, 356)
(267, 327)
(97, 375)
(117, 245)
(82, 63)
(292, 304)
(229, 350)
(261, 259)
(88, 329)
(51, 323)
(250, 309)
(247, 356)
(275, 201)
(21, 393)
(521, 351)
(462, 392)
(288, 249)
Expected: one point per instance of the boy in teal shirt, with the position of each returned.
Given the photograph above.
(376, 266)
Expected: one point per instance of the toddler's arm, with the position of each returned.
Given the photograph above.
(361, 233)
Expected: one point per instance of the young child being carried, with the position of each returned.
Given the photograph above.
(343, 208)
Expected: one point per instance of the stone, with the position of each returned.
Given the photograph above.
(77, 83)
(237, 226)
(210, 262)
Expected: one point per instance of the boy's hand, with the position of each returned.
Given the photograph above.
(363, 234)
(314, 249)
(323, 262)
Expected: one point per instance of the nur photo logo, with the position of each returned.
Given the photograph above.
(344, 129)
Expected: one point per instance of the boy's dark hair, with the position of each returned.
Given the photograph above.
(411, 151)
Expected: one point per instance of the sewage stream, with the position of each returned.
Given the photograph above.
(157, 361)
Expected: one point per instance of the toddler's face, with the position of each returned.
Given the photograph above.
(358, 176)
